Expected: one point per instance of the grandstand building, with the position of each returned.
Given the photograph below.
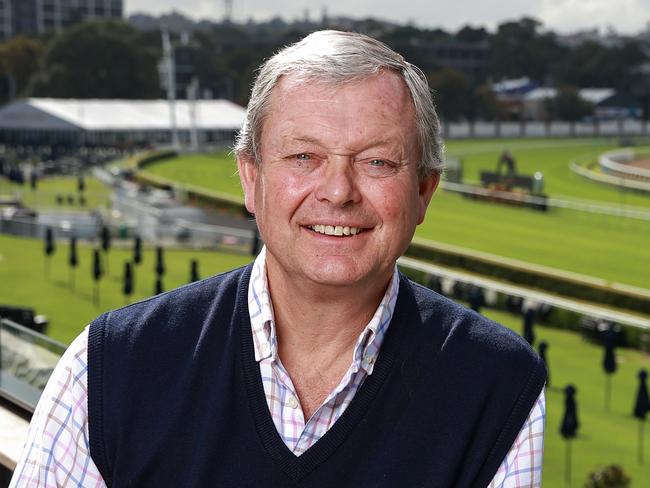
(41, 16)
(117, 123)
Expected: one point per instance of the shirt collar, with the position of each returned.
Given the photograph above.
(262, 320)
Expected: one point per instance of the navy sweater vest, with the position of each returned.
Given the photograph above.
(176, 399)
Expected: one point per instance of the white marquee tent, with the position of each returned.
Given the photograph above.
(94, 121)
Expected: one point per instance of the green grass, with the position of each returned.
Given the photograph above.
(604, 437)
(612, 248)
(214, 171)
(22, 273)
(552, 158)
(44, 196)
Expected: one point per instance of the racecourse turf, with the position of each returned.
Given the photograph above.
(608, 247)
(604, 437)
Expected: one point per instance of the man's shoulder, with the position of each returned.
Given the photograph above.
(456, 331)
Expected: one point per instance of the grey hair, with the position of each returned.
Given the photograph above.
(341, 57)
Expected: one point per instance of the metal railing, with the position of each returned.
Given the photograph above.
(27, 360)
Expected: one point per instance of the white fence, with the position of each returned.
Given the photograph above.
(556, 128)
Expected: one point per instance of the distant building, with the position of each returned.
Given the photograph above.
(116, 123)
(511, 93)
(608, 103)
(41, 16)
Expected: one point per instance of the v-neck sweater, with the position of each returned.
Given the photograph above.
(176, 399)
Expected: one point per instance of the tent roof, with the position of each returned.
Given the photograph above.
(118, 115)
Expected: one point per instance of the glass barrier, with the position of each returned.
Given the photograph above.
(27, 360)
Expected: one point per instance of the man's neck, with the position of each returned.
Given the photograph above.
(317, 328)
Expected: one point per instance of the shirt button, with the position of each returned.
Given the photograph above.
(370, 360)
(266, 349)
(293, 402)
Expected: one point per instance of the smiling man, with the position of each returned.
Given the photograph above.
(319, 364)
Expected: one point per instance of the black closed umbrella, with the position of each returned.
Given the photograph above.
(641, 408)
(158, 287)
(97, 274)
(73, 260)
(542, 348)
(255, 243)
(194, 271)
(128, 283)
(160, 262)
(529, 321)
(609, 361)
(435, 284)
(48, 249)
(105, 237)
(137, 250)
(476, 298)
(569, 427)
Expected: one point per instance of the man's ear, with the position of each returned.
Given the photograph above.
(427, 186)
(248, 176)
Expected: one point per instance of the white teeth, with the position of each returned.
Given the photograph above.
(338, 230)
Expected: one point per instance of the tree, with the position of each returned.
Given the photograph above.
(569, 106)
(19, 61)
(520, 48)
(472, 34)
(451, 92)
(487, 106)
(98, 60)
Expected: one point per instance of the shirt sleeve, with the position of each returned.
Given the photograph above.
(522, 466)
(57, 451)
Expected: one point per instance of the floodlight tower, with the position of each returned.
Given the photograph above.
(227, 16)
(169, 71)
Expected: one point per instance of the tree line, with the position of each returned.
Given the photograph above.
(113, 59)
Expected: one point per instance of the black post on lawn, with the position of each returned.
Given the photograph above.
(106, 245)
(569, 427)
(529, 321)
(160, 262)
(543, 347)
(127, 288)
(137, 250)
(73, 260)
(97, 274)
(609, 361)
(641, 408)
(49, 250)
(194, 271)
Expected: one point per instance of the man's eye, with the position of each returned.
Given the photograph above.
(377, 163)
(303, 156)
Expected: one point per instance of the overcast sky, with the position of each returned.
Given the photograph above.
(625, 16)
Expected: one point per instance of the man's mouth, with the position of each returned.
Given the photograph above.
(335, 230)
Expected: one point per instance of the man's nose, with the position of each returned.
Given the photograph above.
(338, 183)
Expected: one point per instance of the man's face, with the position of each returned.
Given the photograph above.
(336, 194)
